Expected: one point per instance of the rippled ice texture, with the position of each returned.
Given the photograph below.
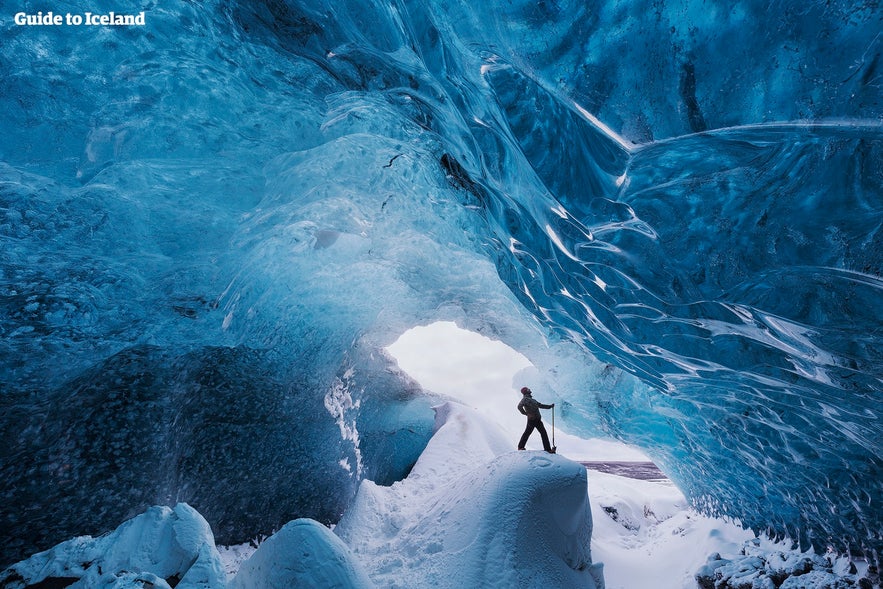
(212, 224)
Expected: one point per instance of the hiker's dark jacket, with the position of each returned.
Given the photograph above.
(531, 407)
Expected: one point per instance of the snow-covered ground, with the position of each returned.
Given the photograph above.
(452, 513)
(410, 534)
(473, 512)
(647, 536)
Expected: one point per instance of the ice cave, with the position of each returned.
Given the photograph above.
(213, 224)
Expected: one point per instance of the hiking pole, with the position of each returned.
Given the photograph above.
(554, 447)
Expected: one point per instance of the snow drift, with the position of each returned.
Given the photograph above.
(475, 513)
(304, 553)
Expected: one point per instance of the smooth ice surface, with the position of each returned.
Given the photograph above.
(213, 224)
(475, 513)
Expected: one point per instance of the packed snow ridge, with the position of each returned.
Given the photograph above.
(472, 513)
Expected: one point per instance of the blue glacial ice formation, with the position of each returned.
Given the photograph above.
(162, 547)
(211, 226)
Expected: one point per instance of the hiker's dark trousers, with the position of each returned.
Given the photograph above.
(538, 425)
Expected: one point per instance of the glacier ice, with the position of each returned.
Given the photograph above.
(162, 547)
(212, 225)
(228, 430)
(771, 566)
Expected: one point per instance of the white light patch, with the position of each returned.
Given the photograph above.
(456, 362)
(560, 211)
(474, 369)
(602, 127)
(480, 373)
(560, 244)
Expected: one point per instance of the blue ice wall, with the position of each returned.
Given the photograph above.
(212, 224)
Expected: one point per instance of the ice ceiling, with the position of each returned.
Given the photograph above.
(212, 224)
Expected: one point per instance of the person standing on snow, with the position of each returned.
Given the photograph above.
(531, 408)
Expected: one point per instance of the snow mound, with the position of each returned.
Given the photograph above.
(475, 513)
(161, 548)
(304, 553)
